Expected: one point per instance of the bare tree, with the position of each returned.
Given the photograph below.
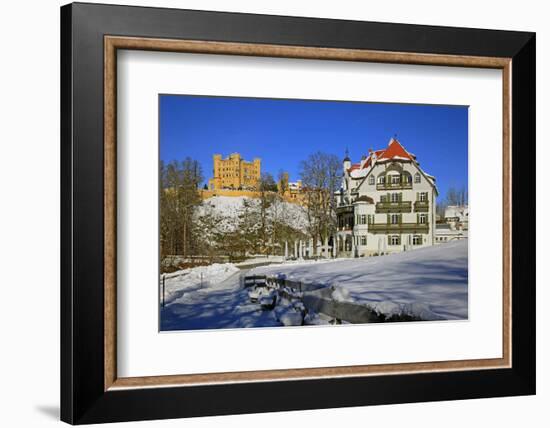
(267, 188)
(282, 180)
(457, 196)
(179, 196)
(320, 174)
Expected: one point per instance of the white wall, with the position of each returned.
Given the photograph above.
(29, 231)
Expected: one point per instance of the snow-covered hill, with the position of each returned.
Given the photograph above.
(227, 209)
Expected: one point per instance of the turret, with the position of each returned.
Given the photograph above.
(347, 161)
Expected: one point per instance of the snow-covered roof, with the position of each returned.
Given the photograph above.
(294, 185)
(456, 211)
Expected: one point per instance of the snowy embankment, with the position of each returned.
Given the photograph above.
(428, 283)
(201, 277)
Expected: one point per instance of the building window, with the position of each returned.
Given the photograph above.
(423, 197)
(417, 240)
(395, 197)
(381, 179)
(395, 240)
(363, 240)
(394, 219)
(363, 219)
(422, 218)
(395, 179)
(417, 178)
(371, 179)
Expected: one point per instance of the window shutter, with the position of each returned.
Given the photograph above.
(388, 218)
(400, 218)
(400, 197)
(417, 197)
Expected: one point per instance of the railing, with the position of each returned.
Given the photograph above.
(396, 207)
(399, 228)
(341, 209)
(421, 206)
(392, 186)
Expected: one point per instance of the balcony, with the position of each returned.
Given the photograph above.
(399, 228)
(394, 186)
(421, 207)
(393, 207)
(344, 208)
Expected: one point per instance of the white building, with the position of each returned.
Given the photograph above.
(457, 216)
(386, 204)
(445, 233)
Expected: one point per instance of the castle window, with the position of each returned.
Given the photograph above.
(423, 197)
(395, 197)
(394, 219)
(417, 178)
(371, 179)
(422, 218)
(417, 240)
(381, 179)
(395, 179)
(363, 240)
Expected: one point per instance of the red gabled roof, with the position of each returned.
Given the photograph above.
(395, 149)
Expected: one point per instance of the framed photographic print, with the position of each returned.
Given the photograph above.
(273, 213)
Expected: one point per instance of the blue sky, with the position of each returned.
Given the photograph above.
(284, 132)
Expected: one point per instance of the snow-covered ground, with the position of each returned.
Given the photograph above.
(201, 277)
(430, 283)
(212, 297)
(259, 260)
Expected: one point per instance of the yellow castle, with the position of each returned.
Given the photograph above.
(234, 173)
(235, 176)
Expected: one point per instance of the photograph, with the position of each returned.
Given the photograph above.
(292, 212)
